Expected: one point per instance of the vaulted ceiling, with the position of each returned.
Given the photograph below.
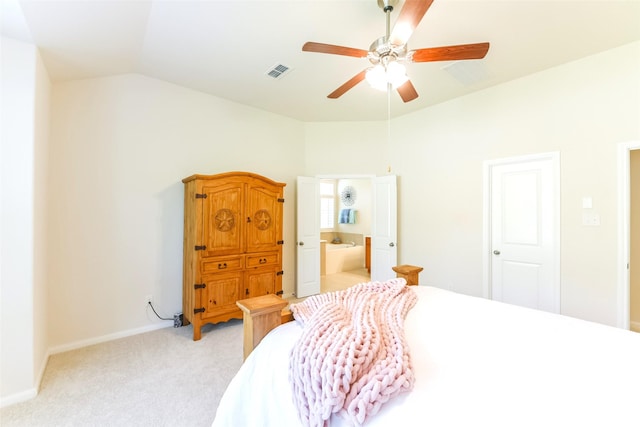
(226, 48)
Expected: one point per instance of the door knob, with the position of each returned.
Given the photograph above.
(496, 252)
(391, 244)
(301, 243)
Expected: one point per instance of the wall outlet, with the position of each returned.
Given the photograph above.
(177, 320)
(147, 300)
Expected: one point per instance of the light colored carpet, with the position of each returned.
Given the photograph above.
(159, 378)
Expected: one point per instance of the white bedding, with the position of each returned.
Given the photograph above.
(477, 363)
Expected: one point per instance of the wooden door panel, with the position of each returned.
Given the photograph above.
(223, 219)
(260, 281)
(264, 229)
(221, 293)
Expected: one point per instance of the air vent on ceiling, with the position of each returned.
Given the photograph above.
(278, 71)
(467, 72)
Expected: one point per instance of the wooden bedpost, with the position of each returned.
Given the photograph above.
(409, 273)
(259, 316)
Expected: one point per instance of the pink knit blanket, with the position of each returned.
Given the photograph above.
(352, 356)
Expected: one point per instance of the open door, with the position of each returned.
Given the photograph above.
(384, 228)
(308, 237)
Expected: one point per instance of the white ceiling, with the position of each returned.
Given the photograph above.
(225, 48)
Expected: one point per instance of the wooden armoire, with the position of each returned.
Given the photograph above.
(232, 244)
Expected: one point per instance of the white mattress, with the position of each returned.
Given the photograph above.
(477, 363)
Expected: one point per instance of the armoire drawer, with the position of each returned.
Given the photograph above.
(263, 259)
(219, 264)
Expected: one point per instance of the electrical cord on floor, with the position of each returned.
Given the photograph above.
(154, 310)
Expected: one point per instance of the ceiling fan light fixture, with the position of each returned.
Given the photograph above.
(376, 77)
(394, 74)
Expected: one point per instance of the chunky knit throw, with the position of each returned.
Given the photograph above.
(352, 356)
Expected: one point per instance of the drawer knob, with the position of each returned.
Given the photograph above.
(222, 266)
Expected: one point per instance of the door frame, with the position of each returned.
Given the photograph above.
(370, 177)
(624, 230)
(488, 166)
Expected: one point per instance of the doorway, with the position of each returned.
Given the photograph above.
(522, 231)
(628, 236)
(346, 210)
(382, 225)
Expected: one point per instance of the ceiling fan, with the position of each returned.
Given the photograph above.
(387, 53)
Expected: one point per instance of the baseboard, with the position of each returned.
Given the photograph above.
(634, 326)
(18, 397)
(43, 367)
(28, 394)
(110, 337)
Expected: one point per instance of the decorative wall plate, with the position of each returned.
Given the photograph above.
(348, 195)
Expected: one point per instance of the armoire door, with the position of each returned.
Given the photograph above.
(263, 224)
(220, 293)
(260, 281)
(222, 219)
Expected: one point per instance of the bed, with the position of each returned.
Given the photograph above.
(476, 362)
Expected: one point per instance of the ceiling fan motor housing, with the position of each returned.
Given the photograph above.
(383, 51)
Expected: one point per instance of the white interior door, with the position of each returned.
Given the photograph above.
(524, 232)
(308, 237)
(384, 228)
(624, 232)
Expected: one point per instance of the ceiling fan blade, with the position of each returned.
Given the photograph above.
(333, 49)
(409, 18)
(451, 53)
(348, 85)
(407, 91)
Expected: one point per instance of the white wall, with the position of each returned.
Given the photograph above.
(120, 148)
(23, 261)
(363, 205)
(346, 148)
(582, 109)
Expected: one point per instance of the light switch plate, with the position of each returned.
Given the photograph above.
(590, 219)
